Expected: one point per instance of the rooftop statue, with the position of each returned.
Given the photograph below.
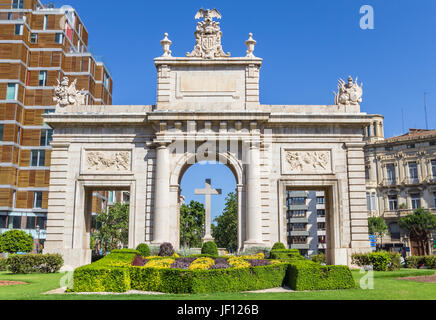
(66, 95)
(208, 36)
(349, 93)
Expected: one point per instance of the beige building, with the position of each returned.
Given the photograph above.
(400, 177)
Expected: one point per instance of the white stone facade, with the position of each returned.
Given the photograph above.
(207, 109)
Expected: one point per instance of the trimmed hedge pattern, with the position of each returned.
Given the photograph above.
(34, 263)
(114, 273)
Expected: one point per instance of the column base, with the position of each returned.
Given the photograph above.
(208, 238)
(252, 243)
(73, 258)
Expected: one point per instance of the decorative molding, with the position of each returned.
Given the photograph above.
(306, 161)
(67, 95)
(108, 161)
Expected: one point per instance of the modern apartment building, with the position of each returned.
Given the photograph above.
(401, 177)
(39, 45)
(306, 221)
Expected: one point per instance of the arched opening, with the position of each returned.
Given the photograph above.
(209, 203)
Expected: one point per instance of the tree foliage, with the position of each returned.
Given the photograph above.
(192, 219)
(377, 226)
(113, 232)
(419, 224)
(14, 241)
(226, 229)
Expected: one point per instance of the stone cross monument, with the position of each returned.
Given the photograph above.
(208, 191)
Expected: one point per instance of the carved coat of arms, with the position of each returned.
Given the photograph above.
(66, 94)
(208, 36)
(348, 93)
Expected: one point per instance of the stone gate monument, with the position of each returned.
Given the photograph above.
(208, 109)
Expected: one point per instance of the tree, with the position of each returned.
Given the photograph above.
(419, 224)
(377, 226)
(226, 229)
(14, 241)
(192, 219)
(113, 232)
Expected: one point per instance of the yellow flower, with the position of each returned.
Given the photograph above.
(202, 264)
(176, 255)
(160, 263)
(239, 262)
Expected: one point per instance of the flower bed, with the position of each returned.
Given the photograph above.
(125, 270)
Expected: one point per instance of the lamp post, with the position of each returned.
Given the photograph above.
(38, 230)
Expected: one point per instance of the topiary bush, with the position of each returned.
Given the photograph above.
(144, 249)
(287, 255)
(14, 241)
(210, 247)
(166, 250)
(278, 246)
(34, 263)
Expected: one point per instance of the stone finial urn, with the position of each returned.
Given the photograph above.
(166, 43)
(250, 45)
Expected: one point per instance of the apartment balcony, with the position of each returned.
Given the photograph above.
(298, 220)
(402, 213)
(321, 232)
(410, 181)
(320, 219)
(322, 246)
(431, 179)
(390, 182)
(301, 246)
(298, 233)
(298, 207)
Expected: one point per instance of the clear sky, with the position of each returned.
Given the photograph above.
(306, 47)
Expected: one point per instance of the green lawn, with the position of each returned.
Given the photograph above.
(386, 287)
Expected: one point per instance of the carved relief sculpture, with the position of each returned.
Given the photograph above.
(108, 161)
(68, 95)
(348, 93)
(208, 36)
(302, 161)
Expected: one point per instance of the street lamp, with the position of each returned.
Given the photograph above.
(38, 230)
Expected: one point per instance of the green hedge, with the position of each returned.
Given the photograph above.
(210, 247)
(287, 255)
(99, 279)
(34, 263)
(414, 262)
(381, 261)
(123, 255)
(308, 275)
(143, 249)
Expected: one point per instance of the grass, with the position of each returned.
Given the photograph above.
(386, 287)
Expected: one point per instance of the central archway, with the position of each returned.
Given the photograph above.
(186, 161)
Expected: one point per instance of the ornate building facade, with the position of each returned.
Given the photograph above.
(400, 177)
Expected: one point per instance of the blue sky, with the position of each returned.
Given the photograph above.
(306, 47)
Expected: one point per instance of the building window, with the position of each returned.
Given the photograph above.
(298, 240)
(18, 29)
(19, 135)
(322, 239)
(2, 127)
(373, 202)
(125, 197)
(3, 221)
(37, 200)
(389, 148)
(30, 223)
(320, 213)
(45, 23)
(111, 196)
(434, 200)
(413, 170)
(59, 38)
(368, 201)
(411, 146)
(298, 214)
(416, 200)
(12, 91)
(296, 201)
(321, 226)
(106, 81)
(37, 158)
(393, 202)
(432, 143)
(41, 222)
(320, 200)
(14, 222)
(42, 78)
(33, 38)
(433, 168)
(299, 227)
(46, 137)
(17, 4)
(390, 173)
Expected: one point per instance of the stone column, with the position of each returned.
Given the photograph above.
(253, 207)
(161, 204)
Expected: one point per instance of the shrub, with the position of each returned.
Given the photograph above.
(117, 256)
(378, 260)
(160, 263)
(166, 250)
(210, 247)
(287, 255)
(92, 278)
(238, 262)
(395, 263)
(318, 258)
(202, 264)
(34, 263)
(414, 262)
(3, 264)
(430, 261)
(14, 241)
(143, 249)
(308, 275)
(278, 246)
